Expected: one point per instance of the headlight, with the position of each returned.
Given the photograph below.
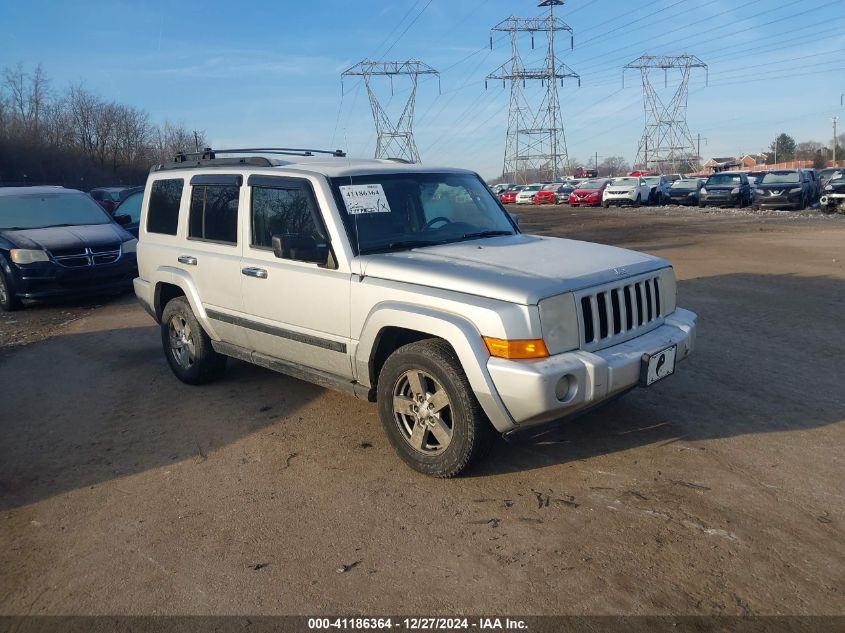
(828, 188)
(691, 193)
(559, 321)
(703, 190)
(130, 246)
(795, 190)
(28, 256)
(734, 191)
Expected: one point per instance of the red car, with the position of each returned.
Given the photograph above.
(547, 195)
(588, 194)
(509, 197)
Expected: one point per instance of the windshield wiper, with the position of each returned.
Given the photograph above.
(405, 244)
(468, 236)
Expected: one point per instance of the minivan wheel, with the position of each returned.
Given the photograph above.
(8, 301)
(187, 347)
(429, 412)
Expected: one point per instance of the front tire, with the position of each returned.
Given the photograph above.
(637, 201)
(8, 301)
(187, 347)
(429, 412)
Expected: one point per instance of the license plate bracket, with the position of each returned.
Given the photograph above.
(657, 366)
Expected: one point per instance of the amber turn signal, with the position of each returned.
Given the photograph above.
(515, 350)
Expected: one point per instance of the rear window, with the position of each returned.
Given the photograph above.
(163, 214)
(214, 213)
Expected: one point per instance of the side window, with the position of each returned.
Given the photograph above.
(163, 213)
(281, 212)
(214, 213)
(132, 206)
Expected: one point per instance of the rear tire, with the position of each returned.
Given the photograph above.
(8, 301)
(187, 347)
(429, 412)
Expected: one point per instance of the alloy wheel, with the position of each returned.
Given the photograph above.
(422, 412)
(182, 344)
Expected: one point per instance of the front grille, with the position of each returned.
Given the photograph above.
(88, 256)
(615, 313)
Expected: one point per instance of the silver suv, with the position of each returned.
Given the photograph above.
(406, 285)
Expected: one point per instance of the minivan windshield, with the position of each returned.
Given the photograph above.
(387, 212)
(777, 177)
(36, 211)
(684, 183)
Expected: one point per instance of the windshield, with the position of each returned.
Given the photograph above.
(29, 211)
(776, 177)
(592, 184)
(625, 182)
(551, 187)
(684, 184)
(532, 188)
(652, 180)
(724, 179)
(401, 211)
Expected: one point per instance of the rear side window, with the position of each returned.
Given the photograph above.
(277, 211)
(214, 213)
(163, 214)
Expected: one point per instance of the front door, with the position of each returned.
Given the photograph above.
(300, 308)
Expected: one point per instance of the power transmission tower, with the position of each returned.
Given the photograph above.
(536, 143)
(393, 140)
(666, 142)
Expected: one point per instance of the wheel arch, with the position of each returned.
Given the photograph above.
(391, 325)
(172, 283)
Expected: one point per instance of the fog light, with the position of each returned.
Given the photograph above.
(566, 388)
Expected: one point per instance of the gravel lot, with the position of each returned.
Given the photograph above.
(718, 491)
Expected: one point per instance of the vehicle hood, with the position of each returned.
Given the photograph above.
(67, 237)
(587, 192)
(623, 188)
(727, 187)
(517, 268)
(838, 187)
(780, 186)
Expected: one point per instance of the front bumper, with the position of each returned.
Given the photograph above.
(528, 388)
(575, 201)
(619, 198)
(47, 280)
(722, 198)
(682, 200)
(789, 201)
(831, 202)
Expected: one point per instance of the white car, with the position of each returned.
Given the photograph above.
(405, 285)
(631, 190)
(526, 196)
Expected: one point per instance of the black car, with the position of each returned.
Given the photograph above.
(833, 196)
(57, 242)
(685, 191)
(785, 189)
(110, 197)
(725, 189)
(128, 212)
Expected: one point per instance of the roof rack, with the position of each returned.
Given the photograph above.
(211, 154)
(208, 157)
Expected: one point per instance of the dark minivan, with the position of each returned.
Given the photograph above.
(58, 242)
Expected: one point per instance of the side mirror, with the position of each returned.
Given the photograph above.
(303, 248)
(123, 220)
(515, 218)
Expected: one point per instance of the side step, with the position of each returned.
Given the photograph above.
(294, 370)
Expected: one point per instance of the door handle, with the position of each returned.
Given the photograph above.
(260, 273)
(188, 259)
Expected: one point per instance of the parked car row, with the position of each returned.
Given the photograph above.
(775, 189)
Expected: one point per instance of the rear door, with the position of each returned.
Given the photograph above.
(210, 251)
(299, 310)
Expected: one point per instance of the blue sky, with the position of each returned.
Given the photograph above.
(268, 73)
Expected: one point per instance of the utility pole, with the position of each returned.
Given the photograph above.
(393, 140)
(536, 142)
(597, 162)
(666, 135)
(835, 120)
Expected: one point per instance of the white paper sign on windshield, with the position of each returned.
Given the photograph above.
(364, 199)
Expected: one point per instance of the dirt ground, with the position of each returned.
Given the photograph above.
(718, 491)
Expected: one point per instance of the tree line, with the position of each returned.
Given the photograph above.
(785, 149)
(76, 138)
